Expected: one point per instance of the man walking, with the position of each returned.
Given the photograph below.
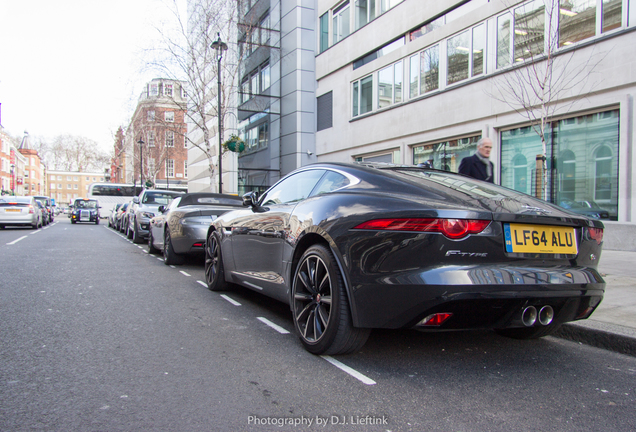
(478, 165)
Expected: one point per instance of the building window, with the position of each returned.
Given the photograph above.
(458, 54)
(429, 69)
(169, 139)
(152, 166)
(478, 49)
(169, 116)
(529, 31)
(185, 168)
(390, 85)
(75, 178)
(577, 21)
(365, 12)
(154, 89)
(167, 90)
(341, 23)
(445, 155)
(169, 168)
(265, 77)
(151, 115)
(324, 111)
(504, 39)
(150, 136)
(324, 32)
(264, 30)
(363, 96)
(59, 186)
(52, 185)
(184, 92)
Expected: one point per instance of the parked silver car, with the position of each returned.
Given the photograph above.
(20, 211)
(181, 227)
(143, 208)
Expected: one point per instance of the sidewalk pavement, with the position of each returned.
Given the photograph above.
(613, 324)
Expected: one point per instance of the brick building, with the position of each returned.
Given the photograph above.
(65, 186)
(154, 143)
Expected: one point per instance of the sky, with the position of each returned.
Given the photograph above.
(75, 67)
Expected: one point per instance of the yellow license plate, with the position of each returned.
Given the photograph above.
(13, 210)
(521, 238)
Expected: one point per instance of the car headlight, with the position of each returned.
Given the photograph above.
(199, 220)
(148, 215)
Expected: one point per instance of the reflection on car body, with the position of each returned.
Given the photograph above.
(181, 227)
(587, 208)
(356, 247)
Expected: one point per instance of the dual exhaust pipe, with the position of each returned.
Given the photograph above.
(530, 316)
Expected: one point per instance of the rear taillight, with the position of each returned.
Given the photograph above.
(451, 228)
(435, 320)
(596, 234)
(31, 210)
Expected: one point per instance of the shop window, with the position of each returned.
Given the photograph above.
(520, 172)
(567, 173)
(603, 178)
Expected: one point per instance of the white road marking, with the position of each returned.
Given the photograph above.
(35, 232)
(202, 283)
(234, 302)
(354, 373)
(183, 273)
(15, 241)
(276, 327)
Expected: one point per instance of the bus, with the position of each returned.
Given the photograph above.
(111, 194)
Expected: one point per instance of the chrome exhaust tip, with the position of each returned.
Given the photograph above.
(529, 316)
(546, 315)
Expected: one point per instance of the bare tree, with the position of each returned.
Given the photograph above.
(74, 153)
(545, 82)
(187, 55)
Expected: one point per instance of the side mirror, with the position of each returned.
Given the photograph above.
(250, 199)
(136, 200)
(161, 208)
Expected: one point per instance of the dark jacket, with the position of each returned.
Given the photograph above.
(475, 168)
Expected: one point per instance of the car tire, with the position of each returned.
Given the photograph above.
(136, 237)
(526, 333)
(170, 257)
(97, 221)
(151, 247)
(214, 274)
(320, 306)
(129, 232)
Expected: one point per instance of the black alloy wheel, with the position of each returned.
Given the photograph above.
(320, 306)
(214, 274)
(170, 257)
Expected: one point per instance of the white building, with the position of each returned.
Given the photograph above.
(408, 81)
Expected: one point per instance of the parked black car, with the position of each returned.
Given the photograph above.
(356, 247)
(85, 210)
(181, 227)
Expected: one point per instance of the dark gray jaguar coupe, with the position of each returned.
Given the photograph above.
(356, 247)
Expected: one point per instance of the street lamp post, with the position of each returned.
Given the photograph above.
(141, 163)
(219, 46)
